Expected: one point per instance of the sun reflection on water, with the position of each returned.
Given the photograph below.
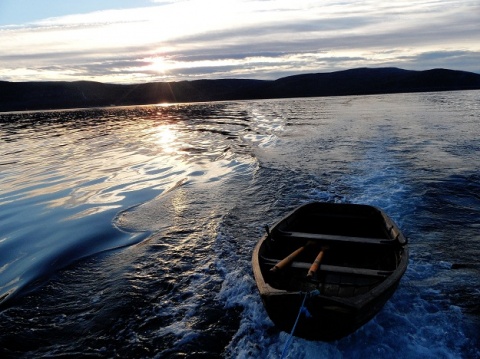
(165, 136)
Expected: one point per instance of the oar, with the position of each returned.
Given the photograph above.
(314, 267)
(288, 259)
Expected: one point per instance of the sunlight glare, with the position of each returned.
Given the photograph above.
(158, 65)
(165, 137)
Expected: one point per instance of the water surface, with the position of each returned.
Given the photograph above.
(129, 231)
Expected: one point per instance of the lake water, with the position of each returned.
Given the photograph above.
(128, 231)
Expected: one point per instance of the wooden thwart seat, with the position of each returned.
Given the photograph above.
(330, 237)
(336, 269)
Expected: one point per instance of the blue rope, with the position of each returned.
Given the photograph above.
(289, 340)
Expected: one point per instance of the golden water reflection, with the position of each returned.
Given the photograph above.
(165, 136)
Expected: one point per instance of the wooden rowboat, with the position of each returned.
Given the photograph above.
(343, 261)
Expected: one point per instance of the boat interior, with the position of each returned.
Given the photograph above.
(359, 248)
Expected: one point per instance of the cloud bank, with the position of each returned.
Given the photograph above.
(192, 39)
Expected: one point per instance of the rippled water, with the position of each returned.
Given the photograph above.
(129, 231)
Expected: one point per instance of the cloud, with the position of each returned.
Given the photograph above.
(175, 40)
(447, 59)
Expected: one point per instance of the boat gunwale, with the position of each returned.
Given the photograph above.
(357, 301)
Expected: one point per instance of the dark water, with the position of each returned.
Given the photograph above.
(128, 232)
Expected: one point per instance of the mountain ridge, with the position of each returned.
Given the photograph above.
(21, 96)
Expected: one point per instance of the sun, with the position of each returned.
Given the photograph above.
(158, 64)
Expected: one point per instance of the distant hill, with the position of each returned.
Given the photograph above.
(19, 96)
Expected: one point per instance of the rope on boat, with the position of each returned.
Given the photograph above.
(289, 340)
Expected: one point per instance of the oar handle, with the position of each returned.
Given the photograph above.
(288, 259)
(314, 267)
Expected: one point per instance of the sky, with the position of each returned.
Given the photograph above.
(137, 41)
